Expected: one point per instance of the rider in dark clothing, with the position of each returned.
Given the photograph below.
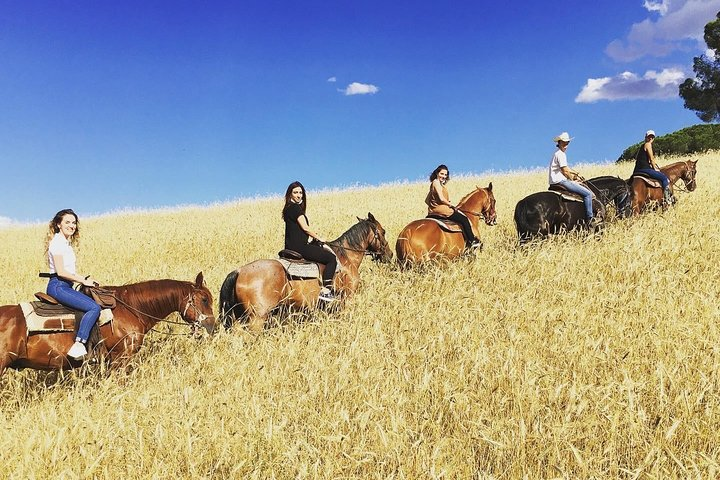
(645, 164)
(297, 233)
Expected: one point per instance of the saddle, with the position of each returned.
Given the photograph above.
(445, 224)
(298, 267)
(47, 315)
(650, 181)
(565, 193)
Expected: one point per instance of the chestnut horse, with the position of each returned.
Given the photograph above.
(643, 194)
(424, 239)
(139, 307)
(254, 290)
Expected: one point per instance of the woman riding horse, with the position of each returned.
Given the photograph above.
(297, 233)
(645, 165)
(438, 202)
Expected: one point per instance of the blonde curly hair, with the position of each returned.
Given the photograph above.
(54, 227)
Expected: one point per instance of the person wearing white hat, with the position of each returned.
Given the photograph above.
(645, 165)
(560, 173)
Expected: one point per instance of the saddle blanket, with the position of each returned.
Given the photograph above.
(300, 269)
(568, 196)
(43, 318)
(650, 181)
(448, 227)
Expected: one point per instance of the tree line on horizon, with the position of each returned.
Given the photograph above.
(700, 94)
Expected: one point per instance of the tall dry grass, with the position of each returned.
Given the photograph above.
(573, 358)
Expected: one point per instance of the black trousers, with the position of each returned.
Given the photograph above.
(316, 253)
(464, 222)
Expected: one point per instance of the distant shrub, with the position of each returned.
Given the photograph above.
(698, 138)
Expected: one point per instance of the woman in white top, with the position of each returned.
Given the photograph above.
(560, 173)
(63, 235)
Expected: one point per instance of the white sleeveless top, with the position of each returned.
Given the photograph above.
(59, 245)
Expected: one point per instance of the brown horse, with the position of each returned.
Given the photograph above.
(643, 194)
(254, 290)
(424, 239)
(139, 307)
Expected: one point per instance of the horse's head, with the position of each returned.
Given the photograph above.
(378, 245)
(480, 202)
(688, 175)
(197, 310)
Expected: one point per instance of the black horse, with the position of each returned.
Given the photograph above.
(544, 213)
(613, 191)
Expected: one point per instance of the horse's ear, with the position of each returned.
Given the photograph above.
(199, 280)
(371, 218)
(490, 187)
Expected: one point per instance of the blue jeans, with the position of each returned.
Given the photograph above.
(580, 190)
(63, 292)
(656, 175)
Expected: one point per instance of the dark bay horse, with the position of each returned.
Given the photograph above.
(424, 240)
(254, 290)
(139, 307)
(645, 196)
(544, 213)
(612, 191)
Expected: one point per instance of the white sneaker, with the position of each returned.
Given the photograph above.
(77, 351)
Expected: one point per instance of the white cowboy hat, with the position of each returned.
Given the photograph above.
(650, 132)
(564, 136)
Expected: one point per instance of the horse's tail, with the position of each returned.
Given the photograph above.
(522, 221)
(403, 250)
(228, 299)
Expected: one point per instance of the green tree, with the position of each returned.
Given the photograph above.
(702, 93)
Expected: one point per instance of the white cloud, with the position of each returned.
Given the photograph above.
(630, 86)
(5, 222)
(356, 88)
(661, 7)
(680, 22)
(332, 79)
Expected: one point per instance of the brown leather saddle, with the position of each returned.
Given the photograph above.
(445, 224)
(648, 180)
(565, 193)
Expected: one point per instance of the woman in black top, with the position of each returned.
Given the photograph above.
(645, 164)
(297, 233)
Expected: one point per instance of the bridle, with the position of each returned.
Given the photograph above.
(481, 214)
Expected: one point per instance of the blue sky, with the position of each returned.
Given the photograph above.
(142, 104)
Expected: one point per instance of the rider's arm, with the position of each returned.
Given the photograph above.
(439, 191)
(302, 221)
(62, 273)
(651, 156)
(569, 173)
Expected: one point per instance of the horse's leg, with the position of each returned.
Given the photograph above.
(260, 287)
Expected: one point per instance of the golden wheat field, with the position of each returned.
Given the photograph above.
(570, 358)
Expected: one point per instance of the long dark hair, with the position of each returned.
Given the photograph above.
(53, 228)
(435, 172)
(288, 197)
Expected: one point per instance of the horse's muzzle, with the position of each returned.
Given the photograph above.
(209, 324)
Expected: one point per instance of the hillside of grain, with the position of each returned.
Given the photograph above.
(571, 358)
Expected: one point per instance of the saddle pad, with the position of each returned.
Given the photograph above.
(58, 322)
(300, 270)
(650, 181)
(571, 197)
(451, 227)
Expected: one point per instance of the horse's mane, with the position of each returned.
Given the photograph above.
(467, 197)
(152, 296)
(354, 237)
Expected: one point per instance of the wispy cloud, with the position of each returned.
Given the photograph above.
(675, 25)
(630, 86)
(332, 79)
(356, 88)
(5, 222)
